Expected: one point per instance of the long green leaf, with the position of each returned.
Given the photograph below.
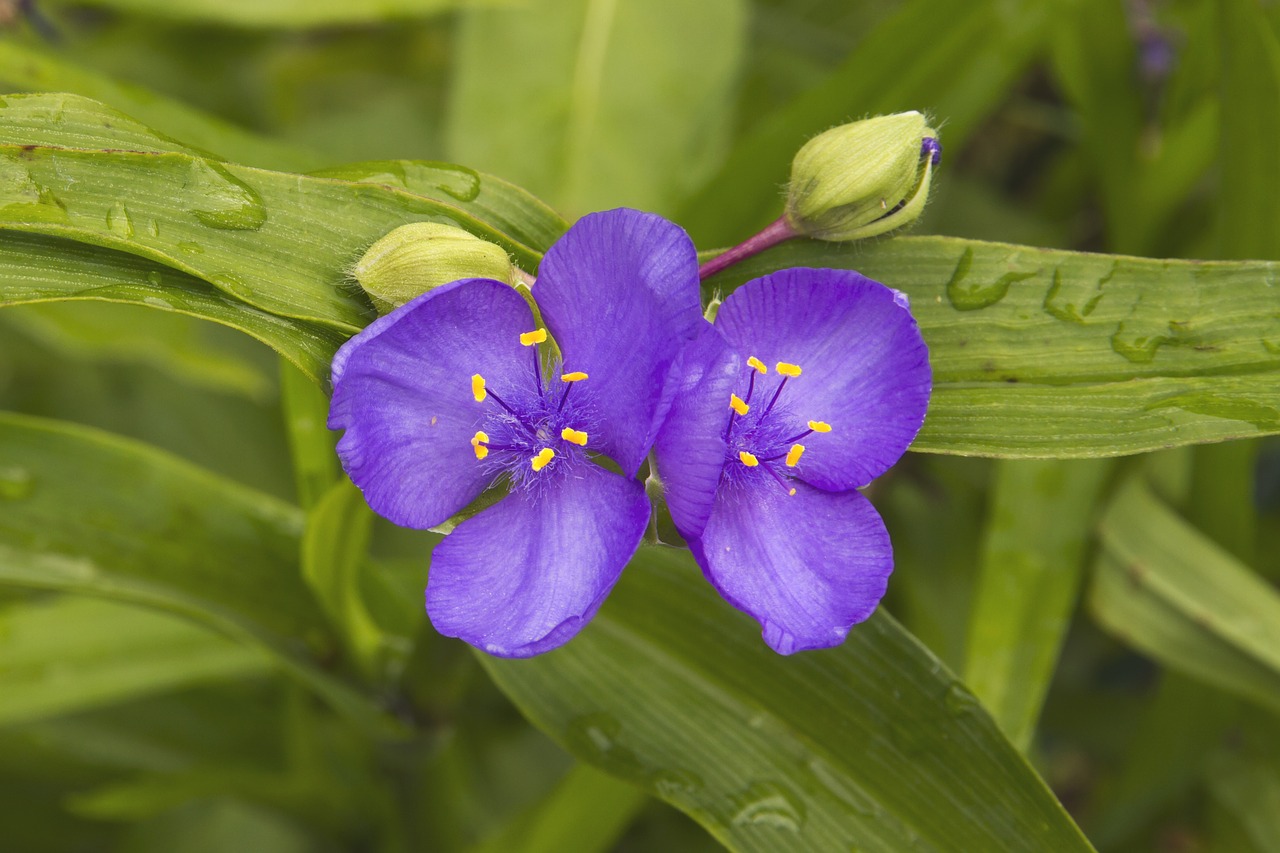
(285, 13)
(87, 512)
(1032, 562)
(278, 241)
(1043, 353)
(75, 654)
(624, 102)
(35, 268)
(1165, 588)
(871, 746)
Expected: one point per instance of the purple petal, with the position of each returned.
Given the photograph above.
(865, 366)
(619, 291)
(807, 567)
(402, 392)
(527, 574)
(691, 443)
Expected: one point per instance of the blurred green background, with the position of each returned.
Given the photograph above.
(1140, 128)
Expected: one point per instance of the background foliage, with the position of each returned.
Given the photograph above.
(208, 643)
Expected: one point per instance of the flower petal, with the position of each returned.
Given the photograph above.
(865, 368)
(402, 392)
(528, 573)
(807, 566)
(619, 291)
(691, 443)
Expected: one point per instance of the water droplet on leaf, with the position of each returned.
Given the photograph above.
(16, 483)
(767, 804)
(221, 200)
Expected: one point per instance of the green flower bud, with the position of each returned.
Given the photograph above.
(862, 179)
(416, 257)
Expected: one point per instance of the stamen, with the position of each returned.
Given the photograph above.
(477, 388)
(544, 457)
(788, 369)
(537, 336)
(748, 459)
(574, 436)
(794, 454)
(777, 393)
(757, 364)
(819, 426)
(778, 477)
(478, 442)
(738, 405)
(575, 376)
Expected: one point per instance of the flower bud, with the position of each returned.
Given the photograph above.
(417, 257)
(862, 179)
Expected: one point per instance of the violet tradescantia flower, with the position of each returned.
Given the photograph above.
(811, 383)
(451, 393)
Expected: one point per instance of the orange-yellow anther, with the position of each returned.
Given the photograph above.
(738, 404)
(478, 442)
(757, 364)
(574, 436)
(794, 454)
(788, 369)
(575, 376)
(819, 426)
(792, 492)
(537, 336)
(477, 388)
(544, 457)
(748, 459)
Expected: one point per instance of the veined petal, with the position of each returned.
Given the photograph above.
(806, 566)
(691, 443)
(865, 367)
(619, 291)
(525, 575)
(402, 391)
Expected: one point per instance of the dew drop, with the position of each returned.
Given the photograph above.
(1071, 300)
(966, 294)
(456, 181)
(156, 278)
(191, 248)
(22, 198)
(222, 200)
(232, 284)
(596, 736)
(960, 701)
(119, 222)
(157, 302)
(676, 784)
(767, 804)
(16, 483)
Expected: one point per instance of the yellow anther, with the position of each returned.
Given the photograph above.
(738, 404)
(792, 493)
(788, 369)
(794, 454)
(544, 457)
(575, 376)
(819, 426)
(748, 459)
(574, 436)
(537, 336)
(477, 388)
(478, 442)
(757, 364)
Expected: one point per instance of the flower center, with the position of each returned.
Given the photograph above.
(763, 438)
(529, 431)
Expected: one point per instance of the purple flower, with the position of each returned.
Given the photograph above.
(454, 392)
(811, 383)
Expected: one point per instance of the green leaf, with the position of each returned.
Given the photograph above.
(1032, 562)
(34, 268)
(1249, 208)
(621, 102)
(957, 66)
(588, 811)
(311, 443)
(114, 653)
(26, 68)
(285, 13)
(871, 746)
(333, 551)
(1044, 353)
(1166, 589)
(176, 538)
(187, 350)
(279, 241)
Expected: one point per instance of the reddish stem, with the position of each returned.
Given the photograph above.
(777, 232)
